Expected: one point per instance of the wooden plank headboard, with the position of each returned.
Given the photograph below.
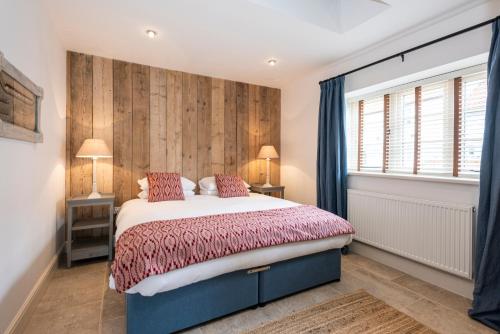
(161, 120)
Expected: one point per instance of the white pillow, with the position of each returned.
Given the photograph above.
(188, 193)
(187, 185)
(208, 183)
(209, 192)
(143, 183)
(144, 194)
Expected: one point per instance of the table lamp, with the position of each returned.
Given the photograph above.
(268, 152)
(94, 149)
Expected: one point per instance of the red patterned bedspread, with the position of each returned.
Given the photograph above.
(161, 246)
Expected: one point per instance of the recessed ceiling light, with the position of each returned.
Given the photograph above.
(151, 33)
(272, 62)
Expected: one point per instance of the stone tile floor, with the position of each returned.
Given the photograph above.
(78, 300)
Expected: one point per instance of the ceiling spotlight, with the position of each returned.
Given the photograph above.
(272, 62)
(151, 33)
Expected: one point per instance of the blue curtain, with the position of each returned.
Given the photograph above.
(331, 180)
(486, 304)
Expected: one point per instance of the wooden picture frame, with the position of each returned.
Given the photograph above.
(20, 104)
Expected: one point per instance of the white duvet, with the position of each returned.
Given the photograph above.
(138, 211)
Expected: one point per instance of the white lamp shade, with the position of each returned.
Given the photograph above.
(94, 148)
(268, 152)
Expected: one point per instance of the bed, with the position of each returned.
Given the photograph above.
(198, 292)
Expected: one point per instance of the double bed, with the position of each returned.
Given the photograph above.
(193, 292)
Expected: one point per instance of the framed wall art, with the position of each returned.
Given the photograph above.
(20, 103)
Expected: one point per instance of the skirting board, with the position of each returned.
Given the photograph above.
(455, 284)
(19, 322)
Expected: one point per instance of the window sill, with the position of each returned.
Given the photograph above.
(424, 178)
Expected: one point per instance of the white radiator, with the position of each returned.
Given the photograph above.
(434, 233)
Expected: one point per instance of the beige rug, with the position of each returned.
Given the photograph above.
(358, 312)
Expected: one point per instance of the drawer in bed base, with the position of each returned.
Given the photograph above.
(288, 277)
(197, 303)
(192, 304)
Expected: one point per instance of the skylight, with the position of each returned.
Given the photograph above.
(335, 15)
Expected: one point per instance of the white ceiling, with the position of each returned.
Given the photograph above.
(233, 39)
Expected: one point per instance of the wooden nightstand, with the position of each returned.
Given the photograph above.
(85, 248)
(258, 188)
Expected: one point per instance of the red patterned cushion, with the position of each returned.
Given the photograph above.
(230, 186)
(164, 187)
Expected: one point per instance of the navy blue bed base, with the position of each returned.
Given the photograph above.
(200, 302)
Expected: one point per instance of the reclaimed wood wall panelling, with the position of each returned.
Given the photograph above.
(140, 124)
(102, 122)
(204, 124)
(158, 119)
(275, 132)
(69, 86)
(190, 126)
(122, 131)
(81, 126)
(217, 123)
(174, 121)
(163, 120)
(242, 119)
(264, 128)
(230, 119)
(253, 135)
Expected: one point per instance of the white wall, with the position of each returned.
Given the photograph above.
(32, 175)
(300, 101)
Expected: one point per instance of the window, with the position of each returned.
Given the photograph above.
(401, 132)
(431, 127)
(436, 129)
(352, 134)
(472, 123)
(372, 134)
